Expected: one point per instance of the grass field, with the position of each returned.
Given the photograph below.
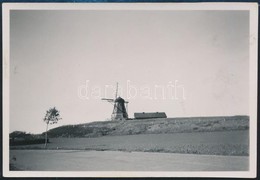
(152, 126)
(211, 143)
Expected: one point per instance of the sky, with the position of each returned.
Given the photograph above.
(183, 63)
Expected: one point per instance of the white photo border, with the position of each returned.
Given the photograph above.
(251, 7)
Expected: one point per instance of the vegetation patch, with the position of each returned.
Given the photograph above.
(23, 138)
(152, 126)
(230, 143)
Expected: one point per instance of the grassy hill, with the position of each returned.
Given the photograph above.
(152, 126)
(196, 135)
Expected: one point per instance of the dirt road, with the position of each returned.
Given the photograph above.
(72, 160)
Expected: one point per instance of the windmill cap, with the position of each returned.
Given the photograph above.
(119, 99)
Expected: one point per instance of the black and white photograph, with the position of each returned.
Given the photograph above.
(139, 90)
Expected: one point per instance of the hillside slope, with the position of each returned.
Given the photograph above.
(152, 126)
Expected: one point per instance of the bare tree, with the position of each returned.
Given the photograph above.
(52, 117)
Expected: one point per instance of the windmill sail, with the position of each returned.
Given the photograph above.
(116, 90)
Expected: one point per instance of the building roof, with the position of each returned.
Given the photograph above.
(145, 115)
(119, 99)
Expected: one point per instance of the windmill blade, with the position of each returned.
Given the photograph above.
(116, 90)
(106, 99)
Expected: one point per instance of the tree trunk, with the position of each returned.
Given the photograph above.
(46, 138)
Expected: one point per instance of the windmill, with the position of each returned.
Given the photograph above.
(120, 109)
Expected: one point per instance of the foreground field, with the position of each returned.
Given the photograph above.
(71, 160)
(234, 143)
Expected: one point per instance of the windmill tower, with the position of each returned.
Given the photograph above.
(120, 107)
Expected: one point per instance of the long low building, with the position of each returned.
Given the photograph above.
(149, 115)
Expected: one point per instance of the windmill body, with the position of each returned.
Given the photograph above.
(120, 107)
(119, 111)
